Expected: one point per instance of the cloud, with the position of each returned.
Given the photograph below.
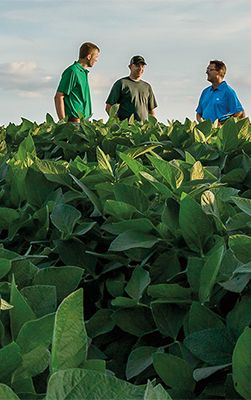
(25, 78)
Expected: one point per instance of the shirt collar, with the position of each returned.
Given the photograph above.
(79, 66)
(220, 87)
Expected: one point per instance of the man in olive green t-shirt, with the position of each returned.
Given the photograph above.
(134, 96)
(73, 93)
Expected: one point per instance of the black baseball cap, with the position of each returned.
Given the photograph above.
(137, 60)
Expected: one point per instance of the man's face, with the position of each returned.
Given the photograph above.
(211, 72)
(92, 58)
(137, 70)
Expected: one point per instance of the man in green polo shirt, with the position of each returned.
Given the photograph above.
(134, 96)
(73, 93)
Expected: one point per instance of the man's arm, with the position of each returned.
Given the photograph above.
(198, 117)
(59, 104)
(107, 108)
(240, 114)
(152, 112)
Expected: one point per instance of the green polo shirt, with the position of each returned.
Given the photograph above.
(133, 97)
(74, 84)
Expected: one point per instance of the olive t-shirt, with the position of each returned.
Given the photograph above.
(133, 97)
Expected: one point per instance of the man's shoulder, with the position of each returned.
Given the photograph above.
(71, 68)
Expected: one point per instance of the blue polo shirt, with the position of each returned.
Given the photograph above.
(219, 103)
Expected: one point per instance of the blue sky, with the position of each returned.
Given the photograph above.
(40, 38)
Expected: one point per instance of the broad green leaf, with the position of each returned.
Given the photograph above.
(203, 373)
(243, 204)
(156, 393)
(209, 272)
(41, 298)
(37, 333)
(139, 359)
(194, 267)
(174, 371)
(133, 239)
(173, 175)
(170, 293)
(168, 318)
(91, 195)
(135, 166)
(65, 217)
(241, 246)
(138, 282)
(133, 196)
(195, 224)
(6, 393)
(240, 316)
(69, 346)
(139, 224)
(21, 311)
(10, 359)
(76, 384)
(120, 209)
(101, 322)
(137, 321)
(66, 279)
(124, 302)
(34, 363)
(24, 271)
(213, 346)
(7, 217)
(201, 317)
(242, 364)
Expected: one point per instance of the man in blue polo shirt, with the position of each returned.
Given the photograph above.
(218, 101)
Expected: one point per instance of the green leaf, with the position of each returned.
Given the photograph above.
(240, 316)
(156, 393)
(243, 204)
(21, 311)
(91, 195)
(174, 371)
(139, 280)
(66, 279)
(203, 373)
(41, 298)
(139, 359)
(120, 209)
(76, 384)
(133, 196)
(172, 174)
(195, 224)
(4, 305)
(133, 239)
(101, 322)
(241, 246)
(209, 272)
(10, 359)
(137, 321)
(168, 318)
(138, 224)
(6, 393)
(34, 363)
(37, 333)
(65, 217)
(213, 346)
(201, 317)
(69, 346)
(5, 266)
(242, 364)
(170, 293)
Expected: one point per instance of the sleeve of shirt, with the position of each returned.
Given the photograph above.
(67, 82)
(199, 107)
(233, 102)
(152, 103)
(115, 93)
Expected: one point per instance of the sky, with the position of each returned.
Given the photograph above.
(177, 38)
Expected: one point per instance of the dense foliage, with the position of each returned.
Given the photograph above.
(125, 260)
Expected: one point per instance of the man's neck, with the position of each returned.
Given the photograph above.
(83, 62)
(134, 79)
(217, 83)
